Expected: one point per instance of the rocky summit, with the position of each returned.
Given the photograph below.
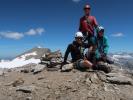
(46, 81)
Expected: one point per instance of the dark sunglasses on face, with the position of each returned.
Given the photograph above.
(79, 38)
(86, 9)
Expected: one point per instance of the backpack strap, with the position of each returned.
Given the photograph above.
(88, 20)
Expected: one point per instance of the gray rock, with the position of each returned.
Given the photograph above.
(15, 83)
(26, 89)
(39, 68)
(50, 55)
(55, 61)
(25, 70)
(29, 98)
(1, 72)
(94, 78)
(45, 62)
(120, 80)
(101, 75)
(67, 67)
(112, 74)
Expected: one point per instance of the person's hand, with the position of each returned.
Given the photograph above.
(91, 48)
(103, 56)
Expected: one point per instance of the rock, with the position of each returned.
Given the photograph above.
(39, 68)
(1, 72)
(104, 67)
(55, 61)
(120, 80)
(29, 98)
(56, 54)
(102, 76)
(94, 78)
(67, 67)
(17, 82)
(26, 89)
(45, 62)
(40, 78)
(53, 69)
(50, 55)
(25, 70)
(112, 74)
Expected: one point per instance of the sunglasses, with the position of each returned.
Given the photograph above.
(87, 8)
(79, 38)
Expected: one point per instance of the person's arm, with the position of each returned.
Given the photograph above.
(95, 24)
(67, 53)
(106, 46)
(86, 45)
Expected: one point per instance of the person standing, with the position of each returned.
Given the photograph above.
(87, 26)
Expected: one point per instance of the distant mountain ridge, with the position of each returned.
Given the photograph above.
(35, 53)
(123, 59)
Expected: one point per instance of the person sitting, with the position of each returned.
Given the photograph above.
(98, 53)
(102, 46)
(77, 53)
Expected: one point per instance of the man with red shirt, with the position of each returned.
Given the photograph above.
(88, 24)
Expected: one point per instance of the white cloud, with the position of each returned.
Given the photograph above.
(76, 0)
(40, 30)
(31, 32)
(36, 31)
(117, 35)
(19, 35)
(12, 35)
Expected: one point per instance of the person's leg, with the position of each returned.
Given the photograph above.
(87, 64)
(102, 66)
(83, 64)
(91, 40)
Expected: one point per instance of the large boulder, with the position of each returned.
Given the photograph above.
(119, 79)
(38, 68)
(52, 59)
(26, 89)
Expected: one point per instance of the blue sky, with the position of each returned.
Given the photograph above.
(25, 24)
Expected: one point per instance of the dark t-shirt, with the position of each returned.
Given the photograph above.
(76, 50)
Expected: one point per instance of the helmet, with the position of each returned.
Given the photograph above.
(100, 28)
(79, 34)
(87, 7)
(100, 31)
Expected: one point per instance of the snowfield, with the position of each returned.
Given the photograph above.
(117, 57)
(19, 61)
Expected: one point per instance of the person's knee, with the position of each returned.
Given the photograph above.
(87, 63)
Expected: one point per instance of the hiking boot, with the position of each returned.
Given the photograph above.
(104, 68)
(109, 61)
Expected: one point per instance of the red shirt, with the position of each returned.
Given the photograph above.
(88, 27)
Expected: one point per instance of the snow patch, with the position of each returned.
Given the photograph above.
(122, 56)
(18, 63)
(39, 47)
(25, 55)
